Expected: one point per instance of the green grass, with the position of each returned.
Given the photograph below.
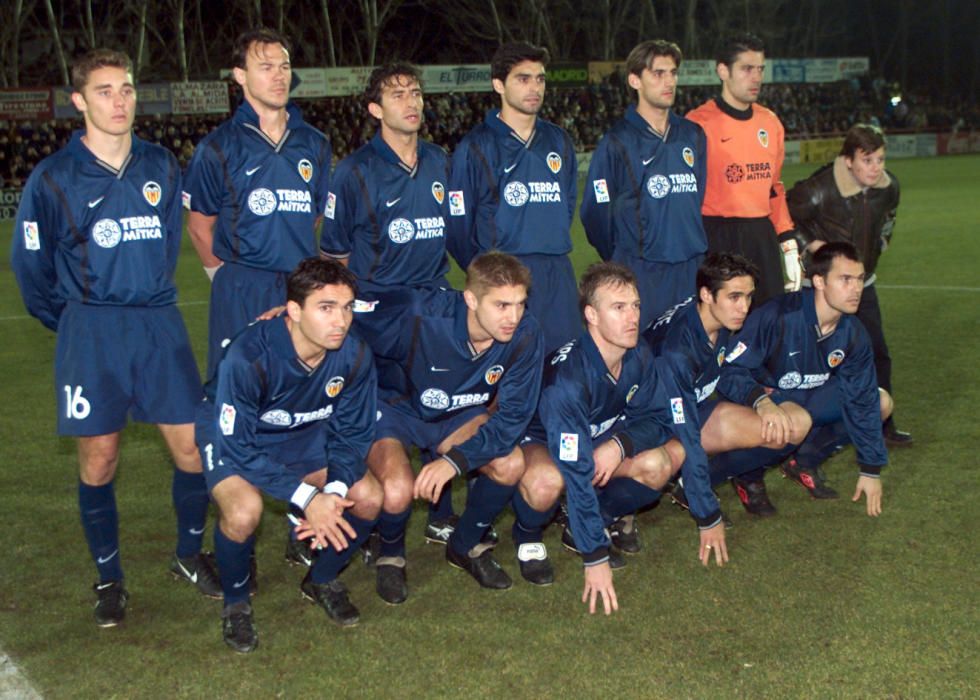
(820, 601)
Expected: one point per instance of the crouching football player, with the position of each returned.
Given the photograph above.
(457, 354)
(806, 347)
(291, 413)
(602, 433)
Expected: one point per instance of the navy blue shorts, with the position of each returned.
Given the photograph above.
(823, 403)
(115, 361)
(410, 430)
(662, 284)
(238, 295)
(705, 409)
(302, 452)
(554, 298)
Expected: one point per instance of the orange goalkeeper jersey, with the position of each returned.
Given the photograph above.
(745, 162)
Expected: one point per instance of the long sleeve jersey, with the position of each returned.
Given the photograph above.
(264, 397)
(780, 348)
(745, 163)
(644, 191)
(90, 233)
(267, 196)
(581, 406)
(690, 367)
(430, 369)
(388, 218)
(512, 195)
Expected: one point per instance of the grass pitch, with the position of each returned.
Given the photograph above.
(820, 601)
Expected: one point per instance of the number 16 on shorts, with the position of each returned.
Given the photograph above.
(76, 405)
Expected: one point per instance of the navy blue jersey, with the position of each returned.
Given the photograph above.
(429, 370)
(644, 190)
(389, 218)
(265, 396)
(89, 233)
(780, 348)
(582, 405)
(509, 194)
(267, 196)
(690, 367)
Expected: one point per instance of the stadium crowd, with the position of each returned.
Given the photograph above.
(586, 113)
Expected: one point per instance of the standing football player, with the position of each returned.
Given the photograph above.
(291, 414)
(744, 201)
(513, 189)
(256, 188)
(98, 235)
(855, 199)
(642, 201)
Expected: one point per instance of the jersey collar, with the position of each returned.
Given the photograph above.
(247, 117)
(743, 115)
(500, 127)
(594, 357)
(81, 153)
(633, 118)
(382, 148)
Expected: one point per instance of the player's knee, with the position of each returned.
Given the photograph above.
(541, 487)
(98, 469)
(802, 422)
(653, 468)
(397, 493)
(507, 470)
(240, 518)
(887, 404)
(368, 497)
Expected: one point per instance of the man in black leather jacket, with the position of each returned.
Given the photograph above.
(854, 199)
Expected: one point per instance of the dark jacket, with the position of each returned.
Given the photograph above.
(830, 206)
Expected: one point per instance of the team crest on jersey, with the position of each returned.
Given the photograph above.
(152, 192)
(658, 186)
(106, 233)
(436, 399)
(764, 138)
(401, 231)
(457, 203)
(736, 351)
(262, 202)
(632, 392)
(334, 386)
(688, 155)
(554, 162)
(226, 419)
(721, 356)
(494, 374)
(305, 169)
(438, 191)
(835, 358)
(32, 241)
(677, 410)
(516, 194)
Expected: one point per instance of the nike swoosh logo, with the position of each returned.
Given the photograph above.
(510, 167)
(252, 171)
(483, 524)
(649, 160)
(241, 583)
(192, 577)
(727, 138)
(103, 560)
(196, 532)
(392, 202)
(795, 352)
(95, 202)
(433, 368)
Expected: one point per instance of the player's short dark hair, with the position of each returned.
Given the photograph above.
(92, 60)
(495, 269)
(387, 75)
(259, 35)
(601, 274)
(862, 137)
(823, 259)
(510, 54)
(643, 54)
(316, 273)
(719, 268)
(735, 44)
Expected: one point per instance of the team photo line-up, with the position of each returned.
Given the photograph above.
(731, 326)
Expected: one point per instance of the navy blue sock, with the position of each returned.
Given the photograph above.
(100, 521)
(483, 503)
(820, 443)
(391, 529)
(529, 524)
(623, 496)
(442, 508)
(190, 494)
(234, 563)
(328, 564)
(746, 464)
